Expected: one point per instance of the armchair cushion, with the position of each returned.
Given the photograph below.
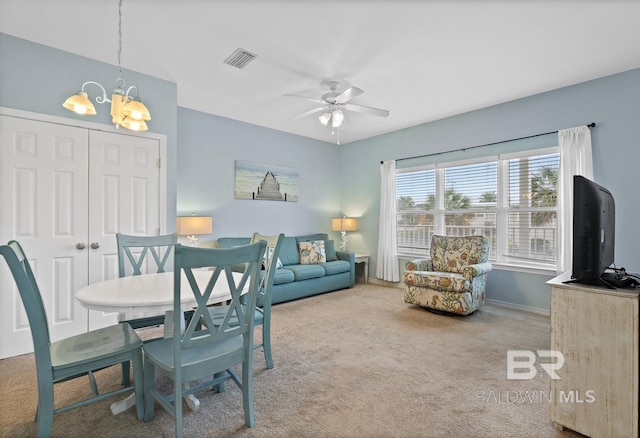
(453, 254)
(442, 281)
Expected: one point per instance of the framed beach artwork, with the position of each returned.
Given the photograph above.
(268, 182)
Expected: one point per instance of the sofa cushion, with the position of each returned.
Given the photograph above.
(312, 252)
(282, 276)
(289, 254)
(305, 272)
(336, 267)
(310, 237)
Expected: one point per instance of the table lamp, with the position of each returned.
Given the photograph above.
(191, 226)
(344, 224)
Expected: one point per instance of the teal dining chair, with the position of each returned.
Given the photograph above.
(72, 357)
(139, 255)
(262, 314)
(207, 354)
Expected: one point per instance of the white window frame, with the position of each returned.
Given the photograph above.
(500, 260)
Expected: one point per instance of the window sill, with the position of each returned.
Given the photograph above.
(526, 269)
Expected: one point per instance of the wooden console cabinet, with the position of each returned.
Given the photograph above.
(596, 329)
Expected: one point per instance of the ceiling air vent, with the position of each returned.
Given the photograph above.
(240, 58)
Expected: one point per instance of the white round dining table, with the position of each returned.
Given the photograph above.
(148, 294)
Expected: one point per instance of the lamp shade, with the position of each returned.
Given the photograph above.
(79, 103)
(136, 110)
(134, 125)
(194, 225)
(344, 224)
(324, 119)
(338, 118)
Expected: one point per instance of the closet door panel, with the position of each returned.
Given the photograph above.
(125, 178)
(44, 194)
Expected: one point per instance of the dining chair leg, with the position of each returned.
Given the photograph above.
(177, 388)
(126, 378)
(44, 414)
(138, 375)
(247, 393)
(266, 342)
(219, 388)
(92, 383)
(149, 381)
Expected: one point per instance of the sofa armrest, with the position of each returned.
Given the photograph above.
(419, 265)
(351, 258)
(471, 271)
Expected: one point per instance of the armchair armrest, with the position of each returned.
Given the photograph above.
(471, 271)
(419, 265)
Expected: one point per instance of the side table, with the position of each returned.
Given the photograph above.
(364, 258)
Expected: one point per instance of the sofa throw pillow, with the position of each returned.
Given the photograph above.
(330, 250)
(268, 253)
(312, 252)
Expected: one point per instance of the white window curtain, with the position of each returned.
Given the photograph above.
(387, 265)
(575, 159)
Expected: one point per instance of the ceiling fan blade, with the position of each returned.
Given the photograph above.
(348, 94)
(312, 99)
(366, 109)
(311, 111)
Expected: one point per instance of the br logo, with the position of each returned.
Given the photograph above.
(521, 364)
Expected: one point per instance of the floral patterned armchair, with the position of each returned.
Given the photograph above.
(453, 279)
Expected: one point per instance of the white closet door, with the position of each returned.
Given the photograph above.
(124, 194)
(43, 205)
(64, 193)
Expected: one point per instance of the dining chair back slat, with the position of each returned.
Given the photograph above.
(136, 250)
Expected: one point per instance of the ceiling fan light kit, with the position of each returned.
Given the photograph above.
(334, 103)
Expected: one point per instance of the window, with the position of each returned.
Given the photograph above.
(509, 199)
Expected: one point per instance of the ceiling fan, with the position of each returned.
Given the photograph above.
(333, 103)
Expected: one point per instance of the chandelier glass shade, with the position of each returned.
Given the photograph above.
(127, 110)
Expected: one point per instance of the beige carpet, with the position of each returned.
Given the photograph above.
(351, 363)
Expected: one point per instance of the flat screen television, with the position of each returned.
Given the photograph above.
(593, 231)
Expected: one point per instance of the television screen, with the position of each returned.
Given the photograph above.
(593, 231)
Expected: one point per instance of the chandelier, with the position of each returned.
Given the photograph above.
(127, 110)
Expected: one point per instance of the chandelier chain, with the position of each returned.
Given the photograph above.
(120, 36)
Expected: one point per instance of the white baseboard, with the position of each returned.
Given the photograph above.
(530, 309)
(398, 285)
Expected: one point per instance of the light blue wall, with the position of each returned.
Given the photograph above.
(38, 79)
(208, 148)
(202, 150)
(612, 102)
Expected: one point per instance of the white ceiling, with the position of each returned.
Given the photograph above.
(421, 60)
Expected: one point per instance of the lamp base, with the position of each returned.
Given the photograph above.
(343, 240)
(193, 240)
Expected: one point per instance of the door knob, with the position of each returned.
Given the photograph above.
(95, 245)
(80, 245)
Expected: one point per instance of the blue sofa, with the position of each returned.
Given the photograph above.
(294, 280)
